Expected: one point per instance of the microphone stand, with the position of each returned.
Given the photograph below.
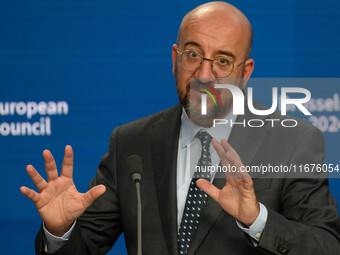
(139, 219)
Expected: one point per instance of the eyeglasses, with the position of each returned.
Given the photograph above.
(221, 67)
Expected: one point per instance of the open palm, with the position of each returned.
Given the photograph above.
(59, 203)
(237, 197)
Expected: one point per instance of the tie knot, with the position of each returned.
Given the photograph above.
(204, 137)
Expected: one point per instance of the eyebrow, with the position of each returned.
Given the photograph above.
(223, 52)
(227, 53)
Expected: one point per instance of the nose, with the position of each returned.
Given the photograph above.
(205, 70)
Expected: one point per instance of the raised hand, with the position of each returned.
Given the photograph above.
(237, 197)
(59, 203)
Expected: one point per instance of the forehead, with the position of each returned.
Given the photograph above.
(215, 31)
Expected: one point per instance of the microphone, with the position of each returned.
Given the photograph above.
(135, 170)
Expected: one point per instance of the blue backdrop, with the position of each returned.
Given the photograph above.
(99, 64)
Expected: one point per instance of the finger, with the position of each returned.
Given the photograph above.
(220, 152)
(208, 188)
(234, 175)
(93, 194)
(38, 181)
(231, 170)
(241, 170)
(67, 168)
(229, 157)
(51, 168)
(31, 194)
(235, 158)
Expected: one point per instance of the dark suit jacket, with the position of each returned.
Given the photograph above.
(302, 214)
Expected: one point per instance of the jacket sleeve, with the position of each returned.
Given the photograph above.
(309, 221)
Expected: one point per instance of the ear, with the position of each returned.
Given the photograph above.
(174, 57)
(248, 70)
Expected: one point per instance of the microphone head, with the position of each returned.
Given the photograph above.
(135, 168)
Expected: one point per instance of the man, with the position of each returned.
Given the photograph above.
(241, 215)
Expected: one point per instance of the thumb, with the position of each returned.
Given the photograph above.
(93, 194)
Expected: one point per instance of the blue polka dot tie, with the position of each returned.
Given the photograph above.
(195, 198)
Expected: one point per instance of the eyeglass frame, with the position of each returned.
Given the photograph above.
(211, 63)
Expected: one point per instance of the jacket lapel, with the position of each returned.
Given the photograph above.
(246, 141)
(165, 145)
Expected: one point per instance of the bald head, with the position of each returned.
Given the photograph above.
(226, 14)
